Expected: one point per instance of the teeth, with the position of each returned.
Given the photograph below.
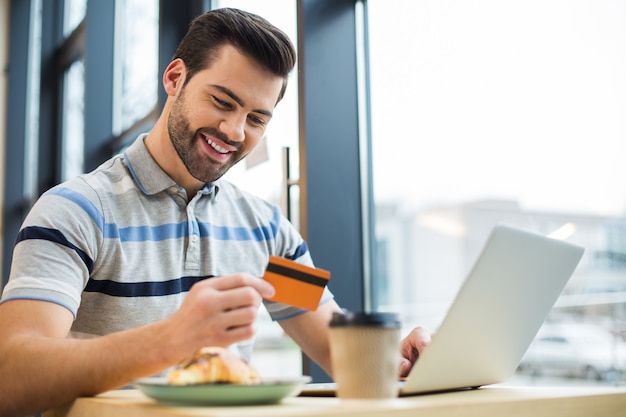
(216, 146)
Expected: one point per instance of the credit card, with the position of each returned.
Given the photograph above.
(296, 284)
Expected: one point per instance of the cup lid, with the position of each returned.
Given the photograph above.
(348, 318)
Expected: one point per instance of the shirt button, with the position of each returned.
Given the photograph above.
(194, 238)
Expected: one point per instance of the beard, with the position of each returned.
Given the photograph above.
(185, 141)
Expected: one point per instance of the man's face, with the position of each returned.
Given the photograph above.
(222, 113)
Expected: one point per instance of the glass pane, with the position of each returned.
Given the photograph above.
(74, 13)
(31, 139)
(136, 77)
(73, 139)
(261, 173)
(498, 112)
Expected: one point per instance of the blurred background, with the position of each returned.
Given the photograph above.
(461, 115)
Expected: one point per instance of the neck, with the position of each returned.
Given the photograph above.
(160, 147)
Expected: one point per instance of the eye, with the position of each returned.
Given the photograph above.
(255, 120)
(221, 103)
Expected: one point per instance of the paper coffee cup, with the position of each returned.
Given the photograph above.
(365, 354)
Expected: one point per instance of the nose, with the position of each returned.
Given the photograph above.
(234, 127)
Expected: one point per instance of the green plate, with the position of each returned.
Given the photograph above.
(269, 392)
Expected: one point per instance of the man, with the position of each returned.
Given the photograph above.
(152, 252)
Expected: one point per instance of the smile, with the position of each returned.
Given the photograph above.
(217, 147)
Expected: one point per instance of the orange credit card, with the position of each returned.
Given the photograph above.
(296, 284)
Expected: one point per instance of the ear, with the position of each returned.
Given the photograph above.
(174, 76)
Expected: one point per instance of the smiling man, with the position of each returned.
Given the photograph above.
(123, 272)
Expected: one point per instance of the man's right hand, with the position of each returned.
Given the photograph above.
(220, 311)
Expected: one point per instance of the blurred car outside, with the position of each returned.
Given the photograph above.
(575, 350)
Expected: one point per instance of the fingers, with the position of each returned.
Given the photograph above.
(229, 282)
(222, 310)
(234, 292)
(235, 298)
(238, 324)
(413, 345)
(420, 338)
(405, 367)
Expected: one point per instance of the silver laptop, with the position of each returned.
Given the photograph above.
(495, 316)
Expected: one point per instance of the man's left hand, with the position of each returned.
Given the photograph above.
(412, 347)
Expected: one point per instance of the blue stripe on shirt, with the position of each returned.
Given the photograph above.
(82, 202)
(300, 250)
(258, 234)
(171, 230)
(146, 233)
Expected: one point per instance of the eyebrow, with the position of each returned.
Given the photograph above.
(237, 99)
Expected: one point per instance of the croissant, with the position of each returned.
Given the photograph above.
(213, 365)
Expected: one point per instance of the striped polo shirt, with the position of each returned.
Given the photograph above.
(121, 246)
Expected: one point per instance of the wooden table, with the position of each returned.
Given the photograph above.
(484, 402)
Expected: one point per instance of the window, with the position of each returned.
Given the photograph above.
(31, 133)
(73, 138)
(72, 85)
(497, 112)
(136, 72)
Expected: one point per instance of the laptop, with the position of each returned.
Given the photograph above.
(495, 316)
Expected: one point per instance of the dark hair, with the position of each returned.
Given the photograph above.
(252, 35)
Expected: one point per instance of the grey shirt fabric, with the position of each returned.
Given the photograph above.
(121, 246)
